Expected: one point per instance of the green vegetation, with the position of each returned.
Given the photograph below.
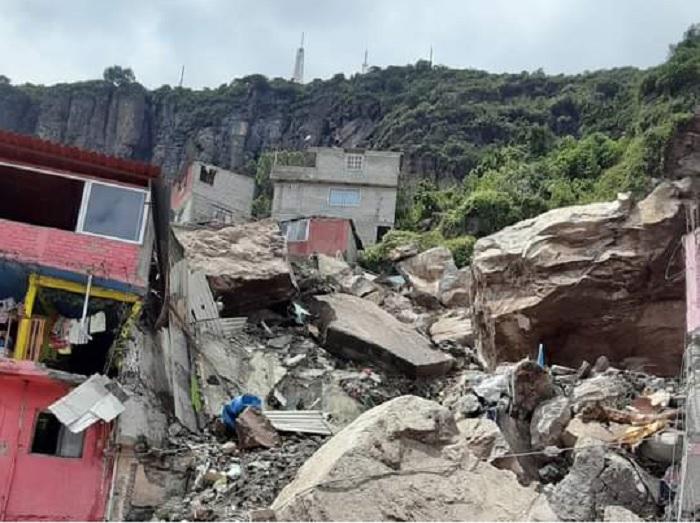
(118, 75)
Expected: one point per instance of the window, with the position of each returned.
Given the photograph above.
(113, 211)
(381, 231)
(297, 231)
(353, 162)
(344, 197)
(207, 175)
(53, 438)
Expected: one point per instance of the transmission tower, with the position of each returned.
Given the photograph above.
(298, 76)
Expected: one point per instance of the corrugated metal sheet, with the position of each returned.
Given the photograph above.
(306, 421)
(232, 326)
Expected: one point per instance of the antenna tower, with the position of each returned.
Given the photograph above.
(365, 65)
(298, 76)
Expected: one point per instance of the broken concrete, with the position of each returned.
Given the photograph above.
(587, 280)
(382, 465)
(246, 265)
(357, 329)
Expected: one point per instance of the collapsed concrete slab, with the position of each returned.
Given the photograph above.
(586, 281)
(357, 329)
(246, 266)
(405, 461)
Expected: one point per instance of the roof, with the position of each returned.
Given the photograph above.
(36, 152)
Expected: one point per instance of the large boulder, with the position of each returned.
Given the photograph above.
(404, 461)
(454, 326)
(600, 478)
(246, 265)
(435, 279)
(586, 281)
(357, 329)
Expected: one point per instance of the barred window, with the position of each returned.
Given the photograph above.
(353, 162)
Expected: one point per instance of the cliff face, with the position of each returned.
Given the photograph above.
(443, 119)
(170, 128)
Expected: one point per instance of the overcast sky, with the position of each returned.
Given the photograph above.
(49, 41)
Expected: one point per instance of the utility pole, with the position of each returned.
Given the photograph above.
(365, 65)
(182, 76)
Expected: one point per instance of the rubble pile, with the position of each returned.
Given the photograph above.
(417, 400)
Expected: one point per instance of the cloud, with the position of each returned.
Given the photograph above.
(45, 41)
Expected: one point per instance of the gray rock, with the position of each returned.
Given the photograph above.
(357, 329)
(404, 460)
(468, 405)
(280, 342)
(492, 388)
(601, 364)
(605, 388)
(663, 447)
(549, 420)
(531, 386)
(617, 513)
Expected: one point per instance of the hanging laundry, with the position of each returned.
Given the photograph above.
(78, 334)
(98, 323)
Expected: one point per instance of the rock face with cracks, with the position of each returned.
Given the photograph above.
(245, 265)
(586, 281)
(358, 329)
(404, 460)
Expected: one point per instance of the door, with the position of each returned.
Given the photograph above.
(57, 476)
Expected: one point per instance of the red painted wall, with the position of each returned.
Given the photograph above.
(40, 487)
(326, 236)
(182, 189)
(74, 252)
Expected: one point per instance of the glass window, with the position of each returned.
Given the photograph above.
(344, 197)
(353, 162)
(53, 438)
(297, 231)
(113, 211)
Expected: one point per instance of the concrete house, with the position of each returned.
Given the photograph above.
(207, 193)
(343, 183)
(76, 242)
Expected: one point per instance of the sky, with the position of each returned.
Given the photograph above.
(51, 41)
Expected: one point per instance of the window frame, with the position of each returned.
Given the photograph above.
(354, 156)
(62, 427)
(87, 189)
(359, 197)
(306, 230)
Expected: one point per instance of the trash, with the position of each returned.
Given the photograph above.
(300, 313)
(233, 409)
(253, 429)
(233, 471)
(540, 356)
(633, 436)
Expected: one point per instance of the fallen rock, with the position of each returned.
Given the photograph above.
(403, 460)
(577, 430)
(485, 441)
(597, 479)
(454, 326)
(253, 429)
(357, 329)
(245, 265)
(491, 389)
(549, 420)
(617, 513)
(663, 447)
(402, 252)
(467, 406)
(531, 386)
(607, 389)
(427, 273)
(589, 280)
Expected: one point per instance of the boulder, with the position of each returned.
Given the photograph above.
(549, 420)
(617, 513)
(586, 280)
(597, 479)
(435, 279)
(485, 440)
(454, 326)
(531, 386)
(357, 329)
(246, 265)
(607, 389)
(253, 429)
(404, 460)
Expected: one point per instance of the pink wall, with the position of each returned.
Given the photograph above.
(692, 280)
(70, 251)
(40, 487)
(182, 189)
(326, 236)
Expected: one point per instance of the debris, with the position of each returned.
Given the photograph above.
(236, 406)
(663, 447)
(367, 473)
(402, 252)
(302, 421)
(492, 388)
(531, 385)
(549, 420)
(357, 329)
(601, 365)
(253, 429)
(280, 342)
(604, 388)
(455, 326)
(99, 398)
(633, 436)
(617, 513)
(300, 313)
(425, 272)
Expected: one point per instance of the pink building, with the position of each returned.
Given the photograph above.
(330, 236)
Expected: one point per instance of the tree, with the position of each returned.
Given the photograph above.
(118, 75)
(4, 80)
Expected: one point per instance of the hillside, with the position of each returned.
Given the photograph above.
(487, 149)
